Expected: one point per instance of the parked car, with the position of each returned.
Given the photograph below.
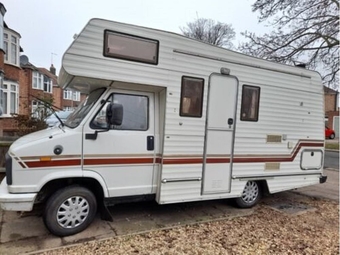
(329, 133)
(52, 119)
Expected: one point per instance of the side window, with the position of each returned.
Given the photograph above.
(191, 97)
(250, 103)
(135, 113)
(130, 47)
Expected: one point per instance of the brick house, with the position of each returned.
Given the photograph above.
(22, 83)
(36, 84)
(331, 98)
(62, 99)
(10, 72)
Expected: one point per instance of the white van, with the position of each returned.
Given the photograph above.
(167, 118)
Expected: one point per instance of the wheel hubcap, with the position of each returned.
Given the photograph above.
(250, 192)
(73, 212)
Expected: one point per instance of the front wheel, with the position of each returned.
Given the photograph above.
(70, 210)
(251, 195)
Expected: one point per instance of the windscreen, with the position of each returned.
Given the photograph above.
(83, 109)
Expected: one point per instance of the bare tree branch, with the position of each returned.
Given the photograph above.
(303, 30)
(209, 31)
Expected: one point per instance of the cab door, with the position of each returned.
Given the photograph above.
(123, 155)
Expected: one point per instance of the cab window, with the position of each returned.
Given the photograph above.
(135, 113)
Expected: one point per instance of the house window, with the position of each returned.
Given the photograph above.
(39, 110)
(6, 46)
(1, 28)
(14, 50)
(38, 80)
(1, 94)
(191, 97)
(72, 95)
(130, 47)
(10, 93)
(68, 108)
(250, 103)
(11, 48)
(47, 84)
(76, 96)
(68, 94)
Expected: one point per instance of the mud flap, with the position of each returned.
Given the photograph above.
(104, 212)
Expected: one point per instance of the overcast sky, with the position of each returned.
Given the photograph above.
(47, 27)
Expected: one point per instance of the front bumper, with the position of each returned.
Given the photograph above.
(15, 202)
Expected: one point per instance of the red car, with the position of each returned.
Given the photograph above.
(329, 133)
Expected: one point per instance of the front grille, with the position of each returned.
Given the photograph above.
(8, 165)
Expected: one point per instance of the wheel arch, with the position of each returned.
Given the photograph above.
(263, 186)
(96, 185)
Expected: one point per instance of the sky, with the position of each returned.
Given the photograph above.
(47, 27)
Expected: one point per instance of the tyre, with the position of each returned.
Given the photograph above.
(70, 210)
(332, 136)
(251, 195)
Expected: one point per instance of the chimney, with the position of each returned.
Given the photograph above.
(301, 65)
(52, 69)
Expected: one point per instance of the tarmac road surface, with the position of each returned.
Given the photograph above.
(331, 159)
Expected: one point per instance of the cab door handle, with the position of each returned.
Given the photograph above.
(150, 143)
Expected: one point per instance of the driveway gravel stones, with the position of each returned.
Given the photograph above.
(314, 229)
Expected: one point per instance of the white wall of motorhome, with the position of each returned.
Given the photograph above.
(290, 103)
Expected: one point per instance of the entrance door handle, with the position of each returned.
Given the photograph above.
(230, 121)
(150, 143)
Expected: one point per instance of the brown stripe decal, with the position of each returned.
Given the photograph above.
(217, 160)
(180, 160)
(118, 161)
(271, 158)
(21, 164)
(244, 158)
(53, 163)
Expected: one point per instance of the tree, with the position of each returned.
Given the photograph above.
(35, 121)
(209, 31)
(304, 31)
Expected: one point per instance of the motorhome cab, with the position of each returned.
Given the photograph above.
(166, 118)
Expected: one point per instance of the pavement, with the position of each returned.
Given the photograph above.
(327, 190)
(25, 232)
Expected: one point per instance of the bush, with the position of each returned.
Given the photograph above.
(28, 124)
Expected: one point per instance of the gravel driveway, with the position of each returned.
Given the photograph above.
(314, 230)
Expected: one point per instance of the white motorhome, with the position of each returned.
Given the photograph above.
(167, 118)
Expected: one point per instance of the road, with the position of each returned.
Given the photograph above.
(331, 159)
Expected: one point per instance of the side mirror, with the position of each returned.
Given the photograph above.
(114, 114)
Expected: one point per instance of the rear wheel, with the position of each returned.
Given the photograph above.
(70, 210)
(332, 136)
(251, 195)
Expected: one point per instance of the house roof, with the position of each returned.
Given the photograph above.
(46, 72)
(329, 90)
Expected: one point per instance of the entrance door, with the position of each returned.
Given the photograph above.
(124, 156)
(219, 138)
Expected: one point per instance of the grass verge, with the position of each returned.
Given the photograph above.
(332, 146)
